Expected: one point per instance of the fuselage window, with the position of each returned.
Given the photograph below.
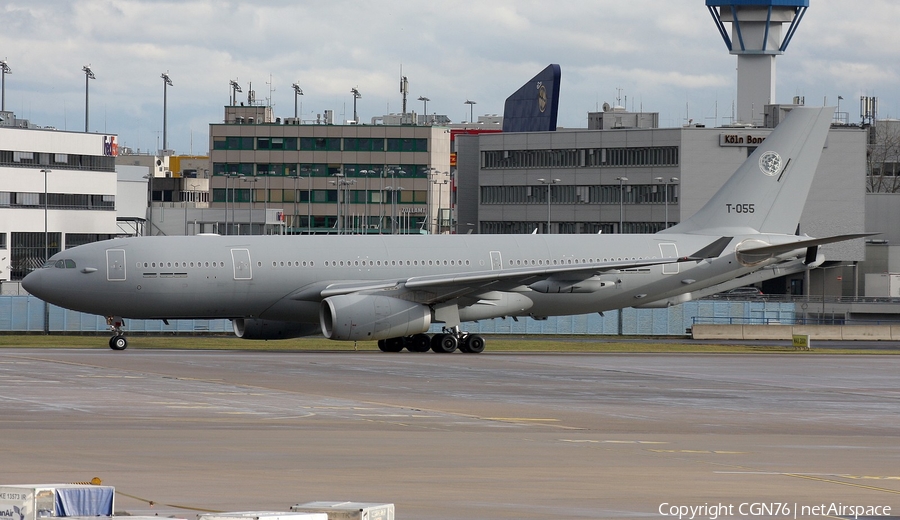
(311, 264)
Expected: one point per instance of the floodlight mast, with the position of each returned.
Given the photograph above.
(471, 107)
(297, 92)
(235, 88)
(88, 75)
(356, 95)
(167, 82)
(424, 101)
(4, 70)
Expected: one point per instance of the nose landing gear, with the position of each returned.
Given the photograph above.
(117, 326)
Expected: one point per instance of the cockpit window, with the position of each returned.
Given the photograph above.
(66, 263)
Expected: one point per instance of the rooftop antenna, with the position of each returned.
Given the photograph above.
(404, 88)
(271, 89)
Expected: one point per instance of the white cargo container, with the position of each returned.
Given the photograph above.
(883, 285)
(349, 510)
(262, 515)
(34, 501)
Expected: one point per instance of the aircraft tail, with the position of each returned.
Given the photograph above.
(768, 191)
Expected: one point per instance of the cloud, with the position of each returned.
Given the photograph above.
(664, 55)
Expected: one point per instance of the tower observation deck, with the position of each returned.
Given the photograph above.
(756, 38)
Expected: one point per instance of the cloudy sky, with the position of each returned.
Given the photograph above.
(663, 56)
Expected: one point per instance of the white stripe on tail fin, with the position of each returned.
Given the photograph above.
(767, 193)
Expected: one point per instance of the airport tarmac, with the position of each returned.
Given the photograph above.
(491, 436)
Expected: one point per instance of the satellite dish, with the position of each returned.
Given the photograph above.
(606, 107)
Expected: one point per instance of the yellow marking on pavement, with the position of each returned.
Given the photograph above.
(591, 441)
(851, 484)
(716, 452)
(519, 419)
(112, 377)
(866, 477)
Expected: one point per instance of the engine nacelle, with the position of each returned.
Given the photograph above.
(368, 317)
(269, 329)
(569, 286)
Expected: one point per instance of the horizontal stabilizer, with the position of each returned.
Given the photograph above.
(778, 249)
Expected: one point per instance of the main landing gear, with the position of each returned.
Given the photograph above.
(117, 325)
(443, 343)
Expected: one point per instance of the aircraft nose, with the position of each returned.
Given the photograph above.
(32, 283)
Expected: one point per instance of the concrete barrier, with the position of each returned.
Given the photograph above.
(786, 332)
(768, 332)
(866, 332)
(717, 331)
(820, 332)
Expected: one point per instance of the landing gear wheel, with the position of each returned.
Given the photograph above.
(118, 342)
(418, 343)
(474, 344)
(444, 343)
(391, 344)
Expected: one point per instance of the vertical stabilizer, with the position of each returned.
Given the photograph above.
(767, 193)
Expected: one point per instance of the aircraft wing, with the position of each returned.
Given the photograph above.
(445, 286)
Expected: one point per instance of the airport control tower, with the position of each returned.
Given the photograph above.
(756, 38)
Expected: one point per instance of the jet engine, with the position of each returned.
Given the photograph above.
(270, 329)
(369, 317)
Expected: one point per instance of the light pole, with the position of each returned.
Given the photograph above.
(549, 183)
(338, 187)
(294, 216)
(356, 95)
(471, 108)
(4, 70)
(149, 230)
(424, 101)
(440, 186)
(395, 194)
(367, 173)
(88, 75)
(166, 83)
(46, 231)
(673, 180)
(228, 177)
(621, 201)
(250, 205)
(297, 93)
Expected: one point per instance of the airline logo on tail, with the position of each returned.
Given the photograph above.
(770, 163)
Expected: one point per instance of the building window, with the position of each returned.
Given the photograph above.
(320, 144)
(363, 144)
(27, 252)
(407, 145)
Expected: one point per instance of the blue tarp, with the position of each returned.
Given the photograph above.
(85, 501)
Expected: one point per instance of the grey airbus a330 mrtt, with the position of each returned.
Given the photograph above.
(392, 288)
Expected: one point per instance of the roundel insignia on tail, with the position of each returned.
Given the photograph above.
(770, 163)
